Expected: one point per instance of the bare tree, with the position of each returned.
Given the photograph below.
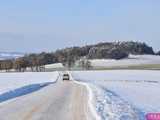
(88, 64)
(84, 64)
(6, 65)
(21, 64)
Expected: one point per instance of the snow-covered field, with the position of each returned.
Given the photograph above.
(17, 84)
(123, 94)
(130, 61)
(55, 65)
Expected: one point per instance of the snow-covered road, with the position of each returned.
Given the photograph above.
(56, 101)
(113, 94)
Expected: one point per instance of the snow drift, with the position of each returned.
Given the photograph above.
(123, 94)
(13, 85)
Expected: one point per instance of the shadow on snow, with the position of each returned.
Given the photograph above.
(23, 91)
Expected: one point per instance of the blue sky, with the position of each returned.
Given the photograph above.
(46, 25)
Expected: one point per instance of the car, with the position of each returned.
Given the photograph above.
(66, 77)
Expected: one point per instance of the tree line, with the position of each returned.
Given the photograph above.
(68, 56)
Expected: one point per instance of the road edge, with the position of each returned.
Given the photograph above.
(90, 97)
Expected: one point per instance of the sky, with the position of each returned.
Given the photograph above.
(46, 25)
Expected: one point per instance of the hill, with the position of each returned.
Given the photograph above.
(68, 56)
(10, 55)
(106, 50)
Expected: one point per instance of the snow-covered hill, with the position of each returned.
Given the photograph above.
(54, 66)
(10, 55)
(130, 61)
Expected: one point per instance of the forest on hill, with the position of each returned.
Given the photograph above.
(68, 56)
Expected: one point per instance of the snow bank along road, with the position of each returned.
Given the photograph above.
(57, 101)
(116, 95)
(123, 94)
